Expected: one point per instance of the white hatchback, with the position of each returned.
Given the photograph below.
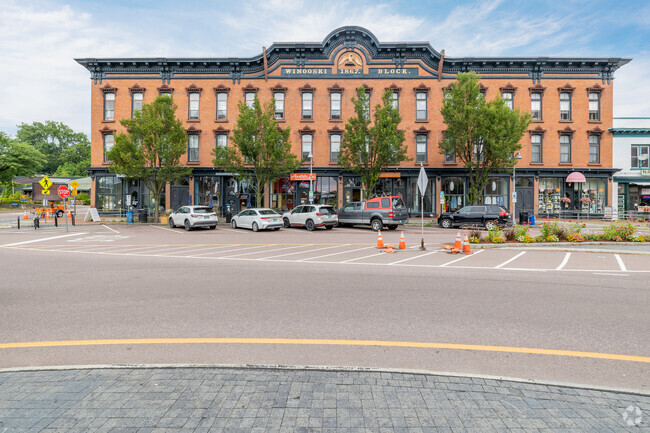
(193, 216)
(257, 219)
(311, 216)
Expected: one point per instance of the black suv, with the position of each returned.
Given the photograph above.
(484, 215)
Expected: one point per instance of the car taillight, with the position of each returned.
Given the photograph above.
(503, 214)
(265, 218)
(319, 214)
(390, 214)
(194, 216)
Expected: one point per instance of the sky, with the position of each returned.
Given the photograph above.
(39, 40)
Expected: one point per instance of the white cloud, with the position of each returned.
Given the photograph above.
(631, 95)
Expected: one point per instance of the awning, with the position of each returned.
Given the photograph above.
(576, 176)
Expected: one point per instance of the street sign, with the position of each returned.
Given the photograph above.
(45, 192)
(74, 192)
(74, 184)
(423, 180)
(63, 191)
(45, 183)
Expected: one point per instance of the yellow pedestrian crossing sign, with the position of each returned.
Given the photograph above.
(74, 184)
(74, 191)
(45, 183)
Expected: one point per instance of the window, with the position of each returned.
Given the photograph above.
(366, 106)
(279, 105)
(306, 146)
(307, 105)
(109, 106)
(479, 155)
(335, 147)
(450, 157)
(192, 148)
(536, 105)
(136, 102)
(536, 147)
(194, 106)
(395, 101)
(420, 106)
(640, 156)
(508, 100)
(335, 105)
(565, 106)
(421, 148)
(565, 148)
(594, 106)
(222, 140)
(594, 149)
(250, 99)
(222, 106)
(109, 140)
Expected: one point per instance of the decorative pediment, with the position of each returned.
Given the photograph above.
(335, 130)
(336, 88)
(567, 88)
(193, 88)
(137, 89)
(307, 88)
(595, 88)
(221, 89)
(537, 88)
(221, 130)
(193, 130)
(109, 89)
(537, 130)
(482, 87)
(394, 88)
(250, 88)
(422, 88)
(306, 130)
(565, 131)
(367, 87)
(107, 130)
(595, 131)
(421, 130)
(278, 88)
(165, 89)
(508, 88)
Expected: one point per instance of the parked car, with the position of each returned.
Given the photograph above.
(377, 212)
(193, 216)
(257, 219)
(484, 215)
(311, 216)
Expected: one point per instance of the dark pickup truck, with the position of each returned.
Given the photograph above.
(377, 212)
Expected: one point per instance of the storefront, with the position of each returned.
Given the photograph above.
(556, 197)
(115, 195)
(455, 191)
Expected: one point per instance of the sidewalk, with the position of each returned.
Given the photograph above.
(222, 399)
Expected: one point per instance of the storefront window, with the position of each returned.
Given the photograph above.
(549, 195)
(496, 191)
(207, 192)
(593, 196)
(454, 189)
(149, 200)
(414, 199)
(326, 191)
(282, 194)
(109, 193)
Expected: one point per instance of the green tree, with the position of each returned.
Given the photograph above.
(17, 159)
(367, 149)
(261, 152)
(484, 135)
(60, 145)
(151, 148)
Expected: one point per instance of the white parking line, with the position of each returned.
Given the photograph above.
(333, 254)
(212, 248)
(616, 275)
(377, 253)
(510, 260)
(176, 250)
(411, 258)
(462, 258)
(43, 239)
(265, 251)
(166, 228)
(113, 230)
(564, 262)
(620, 263)
(122, 248)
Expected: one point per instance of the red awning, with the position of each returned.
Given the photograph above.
(576, 176)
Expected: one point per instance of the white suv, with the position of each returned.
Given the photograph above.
(311, 216)
(193, 216)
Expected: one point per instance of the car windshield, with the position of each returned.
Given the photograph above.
(267, 212)
(203, 210)
(327, 210)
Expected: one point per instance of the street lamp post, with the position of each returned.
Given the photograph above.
(514, 186)
(311, 190)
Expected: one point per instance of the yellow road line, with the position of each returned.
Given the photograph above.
(290, 341)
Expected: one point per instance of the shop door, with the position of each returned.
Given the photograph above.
(180, 196)
(524, 201)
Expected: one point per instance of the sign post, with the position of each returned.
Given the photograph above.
(423, 180)
(74, 184)
(64, 193)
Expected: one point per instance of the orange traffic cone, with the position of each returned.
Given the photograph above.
(380, 240)
(69, 213)
(25, 215)
(48, 215)
(459, 243)
(466, 248)
(402, 242)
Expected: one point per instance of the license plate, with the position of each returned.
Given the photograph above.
(206, 217)
(275, 219)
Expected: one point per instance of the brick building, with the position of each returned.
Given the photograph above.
(313, 83)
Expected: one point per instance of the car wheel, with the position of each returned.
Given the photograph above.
(171, 223)
(489, 225)
(213, 227)
(392, 227)
(329, 227)
(446, 223)
(233, 224)
(309, 225)
(286, 222)
(255, 227)
(188, 227)
(276, 228)
(59, 213)
(376, 224)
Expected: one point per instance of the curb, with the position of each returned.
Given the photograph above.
(350, 369)
(562, 246)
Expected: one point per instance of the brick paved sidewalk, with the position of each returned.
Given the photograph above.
(210, 399)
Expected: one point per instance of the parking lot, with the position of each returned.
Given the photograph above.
(341, 246)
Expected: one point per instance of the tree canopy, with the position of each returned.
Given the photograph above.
(151, 148)
(483, 135)
(67, 153)
(367, 149)
(261, 151)
(18, 159)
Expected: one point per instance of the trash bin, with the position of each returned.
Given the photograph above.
(129, 217)
(531, 219)
(142, 215)
(523, 218)
(228, 217)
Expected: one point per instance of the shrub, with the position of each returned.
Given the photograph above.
(575, 228)
(622, 231)
(521, 231)
(474, 239)
(475, 234)
(575, 237)
(495, 232)
(529, 239)
(552, 238)
(509, 233)
(497, 240)
(593, 237)
(539, 238)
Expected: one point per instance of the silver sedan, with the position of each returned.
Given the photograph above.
(257, 219)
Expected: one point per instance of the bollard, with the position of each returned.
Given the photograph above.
(56, 221)
(36, 222)
(18, 223)
(72, 218)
